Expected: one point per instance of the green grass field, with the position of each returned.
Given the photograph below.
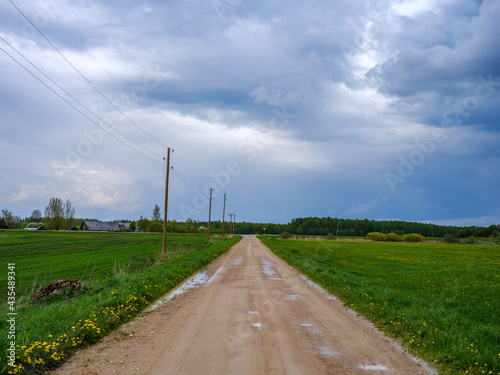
(42, 257)
(120, 280)
(441, 300)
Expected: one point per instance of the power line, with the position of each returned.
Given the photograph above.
(194, 179)
(75, 108)
(85, 78)
(185, 183)
(189, 186)
(76, 100)
(101, 94)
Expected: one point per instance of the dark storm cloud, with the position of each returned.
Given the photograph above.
(326, 97)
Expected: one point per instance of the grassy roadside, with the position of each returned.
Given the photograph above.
(441, 300)
(47, 333)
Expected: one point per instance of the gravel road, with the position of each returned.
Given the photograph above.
(250, 313)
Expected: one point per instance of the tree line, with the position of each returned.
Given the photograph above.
(60, 214)
(361, 227)
(357, 227)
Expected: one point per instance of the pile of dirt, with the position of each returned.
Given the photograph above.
(55, 287)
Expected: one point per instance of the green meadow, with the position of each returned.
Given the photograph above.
(44, 256)
(442, 301)
(121, 274)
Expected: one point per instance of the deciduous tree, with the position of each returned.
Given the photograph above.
(36, 216)
(69, 214)
(54, 214)
(143, 224)
(9, 219)
(156, 213)
(132, 226)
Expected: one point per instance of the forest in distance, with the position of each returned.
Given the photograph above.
(356, 227)
(307, 226)
(315, 226)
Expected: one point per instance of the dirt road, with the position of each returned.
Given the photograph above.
(253, 315)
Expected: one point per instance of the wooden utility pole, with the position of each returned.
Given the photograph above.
(209, 213)
(339, 223)
(234, 224)
(223, 213)
(166, 204)
(231, 226)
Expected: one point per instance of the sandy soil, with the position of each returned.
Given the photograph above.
(254, 315)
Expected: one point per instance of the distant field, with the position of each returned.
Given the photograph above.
(42, 257)
(442, 300)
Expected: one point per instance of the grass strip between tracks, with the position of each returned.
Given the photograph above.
(441, 300)
(48, 333)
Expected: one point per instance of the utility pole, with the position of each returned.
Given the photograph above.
(339, 223)
(209, 213)
(230, 223)
(166, 204)
(234, 225)
(223, 213)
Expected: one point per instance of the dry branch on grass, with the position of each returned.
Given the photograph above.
(55, 287)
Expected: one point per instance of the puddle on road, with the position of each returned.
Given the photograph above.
(310, 328)
(323, 350)
(373, 367)
(193, 282)
(318, 287)
(276, 278)
(214, 276)
(266, 262)
(291, 297)
(252, 312)
(259, 326)
(238, 261)
(267, 267)
(244, 278)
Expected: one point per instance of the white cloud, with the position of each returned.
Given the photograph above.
(484, 221)
(410, 8)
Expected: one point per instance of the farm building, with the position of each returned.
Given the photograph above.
(104, 226)
(41, 227)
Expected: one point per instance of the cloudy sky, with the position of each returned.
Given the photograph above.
(355, 109)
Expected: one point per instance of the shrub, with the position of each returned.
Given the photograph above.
(132, 226)
(451, 238)
(470, 240)
(414, 237)
(156, 227)
(376, 236)
(394, 237)
(285, 235)
(330, 236)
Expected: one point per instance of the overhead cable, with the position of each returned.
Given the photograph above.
(76, 100)
(85, 78)
(77, 109)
